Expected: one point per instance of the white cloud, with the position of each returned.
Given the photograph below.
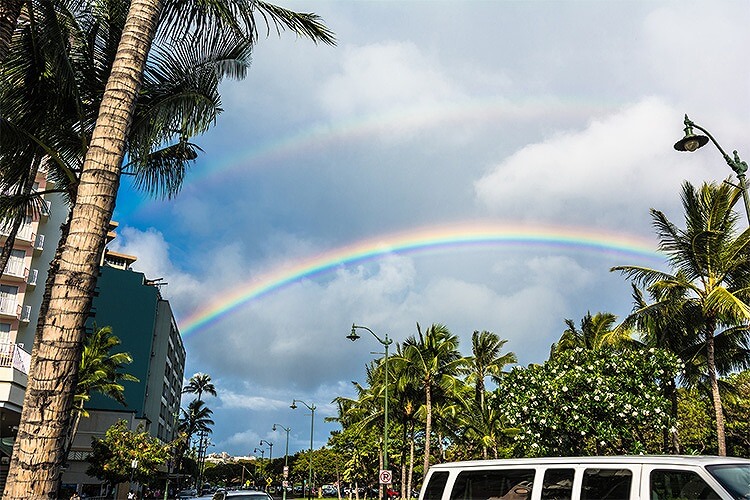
(230, 399)
(608, 174)
(392, 85)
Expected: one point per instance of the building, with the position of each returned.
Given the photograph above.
(21, 290)
(133, 307)
(127, 301)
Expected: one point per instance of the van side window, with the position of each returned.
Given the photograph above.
(493, 484)
(680, 484)
(606, 484)
(558, 484)
(434, 489)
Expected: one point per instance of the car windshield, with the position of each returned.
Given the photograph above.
(734, 478)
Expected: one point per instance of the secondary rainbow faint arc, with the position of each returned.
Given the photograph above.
(416, 241)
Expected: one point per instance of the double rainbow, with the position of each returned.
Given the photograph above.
(576, 240)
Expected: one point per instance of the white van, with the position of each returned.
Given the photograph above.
(591, 478)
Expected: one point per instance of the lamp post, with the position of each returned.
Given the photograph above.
(270, 458)
(286, 455)
(693, 141)
(270, 448)
(293, 406)
(385, 342)
(255, 476)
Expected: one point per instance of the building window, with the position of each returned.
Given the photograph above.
(4, 333)
(8, 295)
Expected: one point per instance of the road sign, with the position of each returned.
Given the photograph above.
(385, 477)
(286, 471)
(269, 481)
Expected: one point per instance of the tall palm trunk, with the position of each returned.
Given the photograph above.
(411, 462)
(39, 447)
(427, 426)
(715, 396)
(9, 12)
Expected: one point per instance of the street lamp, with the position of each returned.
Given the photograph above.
(385, 342)
(286, 454)
(255, 476)
(293, 406)
(693, 141)
(270, 448)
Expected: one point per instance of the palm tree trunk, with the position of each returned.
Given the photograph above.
(716, 397)
(9, 12)
(411, 461)
(427, 427)
(39, 447)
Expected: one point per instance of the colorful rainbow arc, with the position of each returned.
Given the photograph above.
(436, 238)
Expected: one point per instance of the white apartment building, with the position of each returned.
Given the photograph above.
(21, 290)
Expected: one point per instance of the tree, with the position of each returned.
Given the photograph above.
(738, 414)
(50, 97)
(486, 361)
(100, 371)
(195, 419)
(432, 360)
(200, 383)
(585, 402)
(38, 450)
(596, 332)
(112, 457)
(711, 275)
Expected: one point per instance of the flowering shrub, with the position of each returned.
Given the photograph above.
(586, 402)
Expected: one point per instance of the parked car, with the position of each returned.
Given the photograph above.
(189, 493)
(241, 495)
(329, 490)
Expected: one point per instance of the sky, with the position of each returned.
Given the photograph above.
(480, 164)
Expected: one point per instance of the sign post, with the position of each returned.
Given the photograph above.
(385, 477)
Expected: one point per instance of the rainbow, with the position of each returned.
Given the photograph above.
(421, 240)
(321, 135)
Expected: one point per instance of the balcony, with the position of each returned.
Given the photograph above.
(15, 270)
(39, 243)
(46, 209)
(9, 307)
(14, 356)
(24, 313)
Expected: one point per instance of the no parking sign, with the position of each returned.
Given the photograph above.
(385, 477)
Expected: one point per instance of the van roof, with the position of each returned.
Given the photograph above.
(701, 460)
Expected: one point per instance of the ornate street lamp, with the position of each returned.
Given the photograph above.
(385, 342)
(293, 406)
(286, 455)
(693, 141)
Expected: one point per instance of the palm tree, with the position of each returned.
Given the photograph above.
(432, 360)
(200, 383)
(711, 275)
(178, 100)
(100, 371)
(486, 361)
(38, 452)
(596, 332)
(195, 419)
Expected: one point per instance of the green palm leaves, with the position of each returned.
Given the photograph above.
(705, 296)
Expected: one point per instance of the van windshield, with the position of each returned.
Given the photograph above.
(734, 478)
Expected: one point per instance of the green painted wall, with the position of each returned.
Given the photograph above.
(129, 307)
